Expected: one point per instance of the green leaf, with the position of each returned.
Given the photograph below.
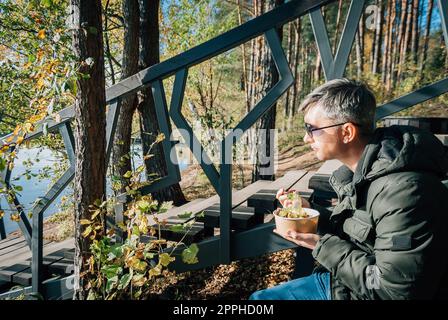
(125, 280)
(116, 251)
(111, 283)
(177, 228)
(185, 215)
(200, 214)
(31, 58)
(189, 255)
(111, 271)
(46, 3)
(127, 175)
(167, 205)
(148, 255)
(73, 86)
(2, 164)
(143, 205)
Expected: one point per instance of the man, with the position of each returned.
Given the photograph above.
(387, 238)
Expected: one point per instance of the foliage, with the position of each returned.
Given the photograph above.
(129, 270)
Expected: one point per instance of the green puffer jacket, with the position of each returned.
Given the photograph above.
(387, 238)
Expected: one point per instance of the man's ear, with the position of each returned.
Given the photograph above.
(349, 132)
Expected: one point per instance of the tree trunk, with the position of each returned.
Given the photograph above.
(254, 94)
(289, 93)
(415, 30)
(297, 78)
(386, 42)
(149, 126)
(267, 122)
(390, 53)
(338, 23)
(426, 36)
(107, 44)
(359, 53)
(90, 127)
(399, 42)
(244, 62)
(405, 45)
(378, 38)
(121, 161)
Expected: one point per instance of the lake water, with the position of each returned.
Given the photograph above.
(36, 187)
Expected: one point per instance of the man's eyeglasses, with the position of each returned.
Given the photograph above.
(310, 129)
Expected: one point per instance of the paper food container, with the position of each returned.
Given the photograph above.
(303, 225)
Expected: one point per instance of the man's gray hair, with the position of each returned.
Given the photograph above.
(345, 100)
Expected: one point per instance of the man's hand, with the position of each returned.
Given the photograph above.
(282, 197)
(307, 240)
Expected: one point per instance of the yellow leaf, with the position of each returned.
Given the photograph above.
(137, 264)
(160, 137)
(2, 213)
(166, 259)
(36, 117)
(84, 221)
(40, 54)
(29, 127)
(156, 271)
(17, 130)
(41, 34)
(86, 232)
(15, 217)
(19, 140)
(138, 280)
(91, 265)
(40, 83)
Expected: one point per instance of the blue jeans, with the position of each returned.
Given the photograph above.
(314, 287)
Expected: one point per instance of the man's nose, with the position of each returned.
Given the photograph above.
(307, 138)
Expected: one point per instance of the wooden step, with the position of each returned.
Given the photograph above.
(5, 285)
(192, 234)
(13, 245)
(22, 278)
(243, 218)
(10, 241)
(7, 273)
(20, 273)
(64, 253)
(63, 267)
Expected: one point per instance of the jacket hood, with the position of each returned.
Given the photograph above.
(396, 149)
